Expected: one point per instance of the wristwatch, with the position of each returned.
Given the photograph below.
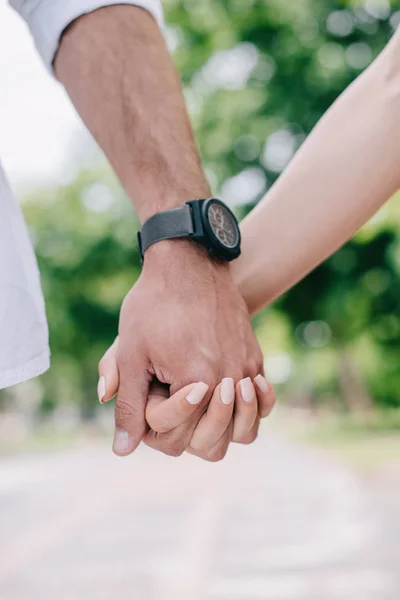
(208, 222)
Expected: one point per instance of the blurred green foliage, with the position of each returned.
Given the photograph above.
(258, 74)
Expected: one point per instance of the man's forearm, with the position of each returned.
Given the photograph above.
(345, 171)
(116, 68)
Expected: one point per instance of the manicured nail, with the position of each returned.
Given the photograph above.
(101, 389)
(247, 389)
(121, 441)
(227, 391)
(197, 394)
(261, 383)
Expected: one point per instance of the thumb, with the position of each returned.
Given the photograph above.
(108, 374)
(130, 423)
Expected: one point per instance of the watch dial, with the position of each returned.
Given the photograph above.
(223, 225)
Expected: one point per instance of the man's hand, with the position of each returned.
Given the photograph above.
(183, 322)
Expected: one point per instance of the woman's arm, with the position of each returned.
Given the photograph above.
(347, 168)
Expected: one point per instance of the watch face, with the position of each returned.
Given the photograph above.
(223, 225)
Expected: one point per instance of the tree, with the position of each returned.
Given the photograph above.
(257, 76)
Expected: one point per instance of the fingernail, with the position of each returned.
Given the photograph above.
(247, 389)
(101, 389)
(261, 383)
(227, 391)
(197, 394)
(121, 441)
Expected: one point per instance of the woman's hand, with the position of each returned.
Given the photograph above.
(233, 414)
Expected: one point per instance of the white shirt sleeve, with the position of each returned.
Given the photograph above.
(47, 19)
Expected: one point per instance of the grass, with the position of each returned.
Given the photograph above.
(364, 450)
(366, 442)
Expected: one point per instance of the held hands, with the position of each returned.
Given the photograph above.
(232, 415)
(184, 322)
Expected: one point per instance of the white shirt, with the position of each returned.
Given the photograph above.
(24, 347)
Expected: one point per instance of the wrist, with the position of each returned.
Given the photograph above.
(179, 254)
(166, 197)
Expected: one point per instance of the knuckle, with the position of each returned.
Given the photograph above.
(211, 380)
(125, 413)
(250, 437)
(252, 368)
(217, 455)
(131, 354)
(260, 367)
(235, 372)
(169, 445)
(197, 445)
(238, 437)
(259, 357)
(174, 450)
(207, 373)
(255, 359)
(245, 437)
(201, 443)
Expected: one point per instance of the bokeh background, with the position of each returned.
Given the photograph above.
(257, 76)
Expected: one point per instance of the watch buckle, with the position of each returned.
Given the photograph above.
(139, 240)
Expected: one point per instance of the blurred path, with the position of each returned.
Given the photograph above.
(273, 521)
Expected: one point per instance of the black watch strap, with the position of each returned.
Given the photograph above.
(170, 224)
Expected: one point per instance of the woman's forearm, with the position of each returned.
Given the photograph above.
(347, 168)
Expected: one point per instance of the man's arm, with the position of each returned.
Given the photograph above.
(116, 68)
(185, 320)
(346, 169)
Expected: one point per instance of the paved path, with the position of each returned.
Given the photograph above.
(272, 522)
